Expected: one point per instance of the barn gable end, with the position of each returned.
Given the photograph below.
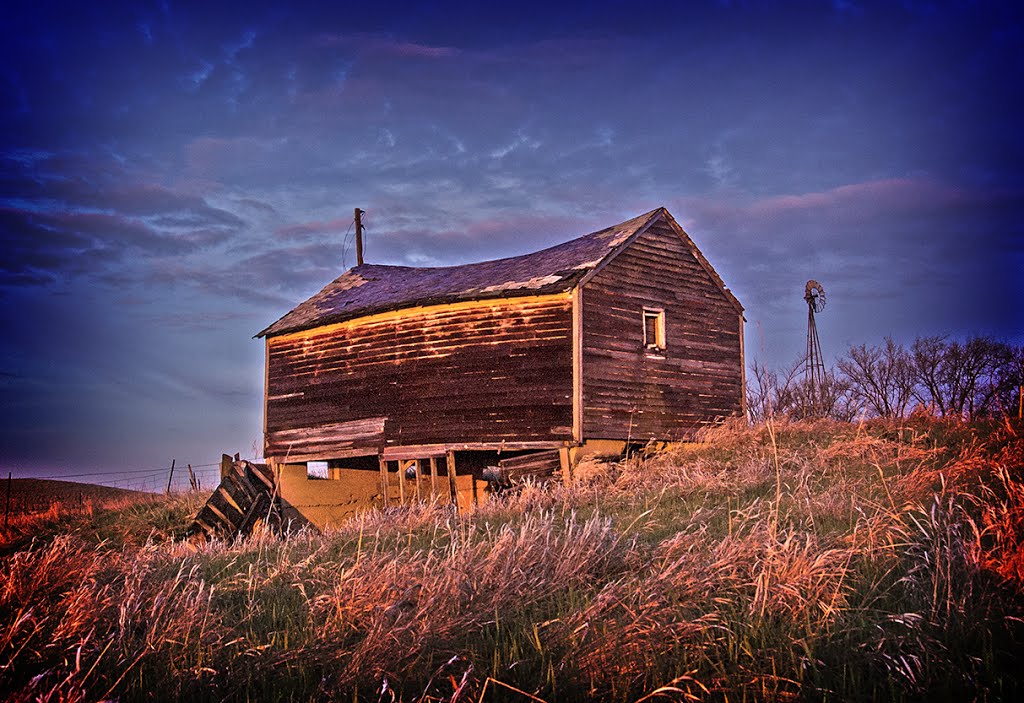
(668, 388)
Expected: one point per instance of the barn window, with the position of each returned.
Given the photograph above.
(317, 469)
(654, 329)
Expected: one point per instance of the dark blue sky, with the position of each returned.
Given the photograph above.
(174, 177)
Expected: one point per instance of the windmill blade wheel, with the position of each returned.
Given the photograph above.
(814, 294)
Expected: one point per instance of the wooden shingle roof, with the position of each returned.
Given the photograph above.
(374, 288)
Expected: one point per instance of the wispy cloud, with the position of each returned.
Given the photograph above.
(305, 230)
(385, 45)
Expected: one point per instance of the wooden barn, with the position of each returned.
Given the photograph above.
(412, 381)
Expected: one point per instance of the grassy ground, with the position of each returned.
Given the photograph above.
(33, 495)
(812, 561)
(92, 513)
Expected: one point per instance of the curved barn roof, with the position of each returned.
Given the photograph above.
(374, 288)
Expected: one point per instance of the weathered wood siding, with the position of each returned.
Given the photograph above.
(480, 372)
(629, 392)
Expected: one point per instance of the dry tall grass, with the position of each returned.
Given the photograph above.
(804, 561)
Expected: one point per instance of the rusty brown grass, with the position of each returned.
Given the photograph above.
(812, 561)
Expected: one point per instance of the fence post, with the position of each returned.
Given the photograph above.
(170, 476)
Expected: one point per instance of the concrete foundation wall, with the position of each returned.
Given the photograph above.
(328, 502)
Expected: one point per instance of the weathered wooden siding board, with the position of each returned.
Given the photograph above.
(335, 438)
(497, 371)
(630, 393)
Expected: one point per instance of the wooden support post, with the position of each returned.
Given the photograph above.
(359, 236)
(452, 488)
(384, 480)
(401, 481)
(170, 475)
(577, 364)
(433, 476)
(192, 479)
(418, 463)
(566, 465)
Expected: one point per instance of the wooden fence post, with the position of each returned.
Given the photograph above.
(170, 475)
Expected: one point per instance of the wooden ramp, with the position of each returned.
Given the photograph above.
(245, 496)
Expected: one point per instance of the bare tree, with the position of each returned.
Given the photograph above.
(879, 379)
(771, 393)
(789, 394)
(789, 398)
(980, 376)
(926, 356)
(829, 397)
(964, 379)
(999, 391)
(761, 385)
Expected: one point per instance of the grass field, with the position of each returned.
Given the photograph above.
(811, 561)
(44, 507)
(31, 496)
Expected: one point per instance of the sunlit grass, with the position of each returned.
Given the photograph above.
(815, 561)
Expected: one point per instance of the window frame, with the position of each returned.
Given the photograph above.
(660, 341)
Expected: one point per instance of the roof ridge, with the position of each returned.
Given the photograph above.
(518, 256)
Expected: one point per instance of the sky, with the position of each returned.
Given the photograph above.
(175, 177)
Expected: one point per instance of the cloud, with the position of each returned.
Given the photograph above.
(71, 182)
(258, 206)
(199, 320)
(300, 267)
(198, 77)
(447, 238)
(71, 214)
(152, 199)
(224, 157)
(35, 253)
(44, 246)
(385, 45)
(306, 230)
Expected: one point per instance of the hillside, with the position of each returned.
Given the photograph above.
(35, 494)
(803, 561)
(42, 509)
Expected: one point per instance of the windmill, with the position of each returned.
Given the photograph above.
(814, 364)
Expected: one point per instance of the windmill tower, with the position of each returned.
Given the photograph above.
(814, 364)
